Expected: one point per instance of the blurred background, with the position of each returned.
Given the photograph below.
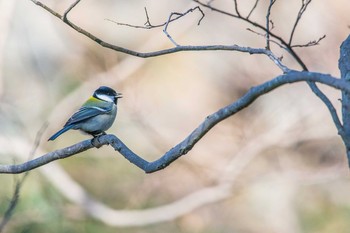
(277, 166)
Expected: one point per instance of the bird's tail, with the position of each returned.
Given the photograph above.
(66, 128)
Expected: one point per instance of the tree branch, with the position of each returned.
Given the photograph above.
(304, 5)
(310, 43)
(175, 49)
(149, 25)
(188, 143)
(344, 68)
(64, 18)
(268, 24)
(179, 15)
(289, 48)
(253, 8)
(179, 48)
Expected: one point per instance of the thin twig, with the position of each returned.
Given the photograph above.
(165, 51)
(271, 40)
(253, 9)
(166, 28)
(64, 18)
(188, 143)
(257, 25)
(236, 8)
(146, 25)
(304, 5)
(268, 21)
(149, 25)
(310, 43)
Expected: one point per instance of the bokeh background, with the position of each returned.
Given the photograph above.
(277, 166)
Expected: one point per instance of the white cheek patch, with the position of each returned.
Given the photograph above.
(105, 97)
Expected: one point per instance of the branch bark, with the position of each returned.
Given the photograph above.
(187, 144)
(344, 66)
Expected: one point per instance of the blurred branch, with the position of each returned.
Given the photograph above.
(13, 203)
(7, 10)
(19, 183)
(228, 178)
(187, 144)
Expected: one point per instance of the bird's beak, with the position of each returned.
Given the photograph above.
(119, 95)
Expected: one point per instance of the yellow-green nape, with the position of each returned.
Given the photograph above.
(91, 101)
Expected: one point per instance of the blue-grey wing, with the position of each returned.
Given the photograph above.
(85, 113)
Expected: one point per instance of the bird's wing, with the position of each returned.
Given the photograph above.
(85, 113)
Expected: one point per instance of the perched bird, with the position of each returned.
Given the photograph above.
(96, 115)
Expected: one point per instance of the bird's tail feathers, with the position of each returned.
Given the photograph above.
(66, 128)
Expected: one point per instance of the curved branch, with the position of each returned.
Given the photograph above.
(187, 144)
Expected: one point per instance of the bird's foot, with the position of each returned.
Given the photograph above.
(95, 141)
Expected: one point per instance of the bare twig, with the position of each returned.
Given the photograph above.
(236, 8)
(253, 9)
(304, 5)
(271, 40)
(210, 2)
(268, 22)
(13, 203)
(149, 25)
(64, 18)
(310, 43)
(330, 107)
(179, 15)
(188, 143)
(165, 30)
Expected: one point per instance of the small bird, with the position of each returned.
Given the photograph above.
(96, 115)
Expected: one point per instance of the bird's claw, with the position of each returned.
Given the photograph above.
(96, 142)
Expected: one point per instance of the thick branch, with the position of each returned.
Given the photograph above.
(344, 66)
(187, 144)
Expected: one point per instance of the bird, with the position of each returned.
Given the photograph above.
(96, 115)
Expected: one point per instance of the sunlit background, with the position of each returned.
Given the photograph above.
(277, 166)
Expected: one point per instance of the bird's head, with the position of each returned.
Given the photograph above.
(107, 94)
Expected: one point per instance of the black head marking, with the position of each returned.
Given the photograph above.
(107, 91)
